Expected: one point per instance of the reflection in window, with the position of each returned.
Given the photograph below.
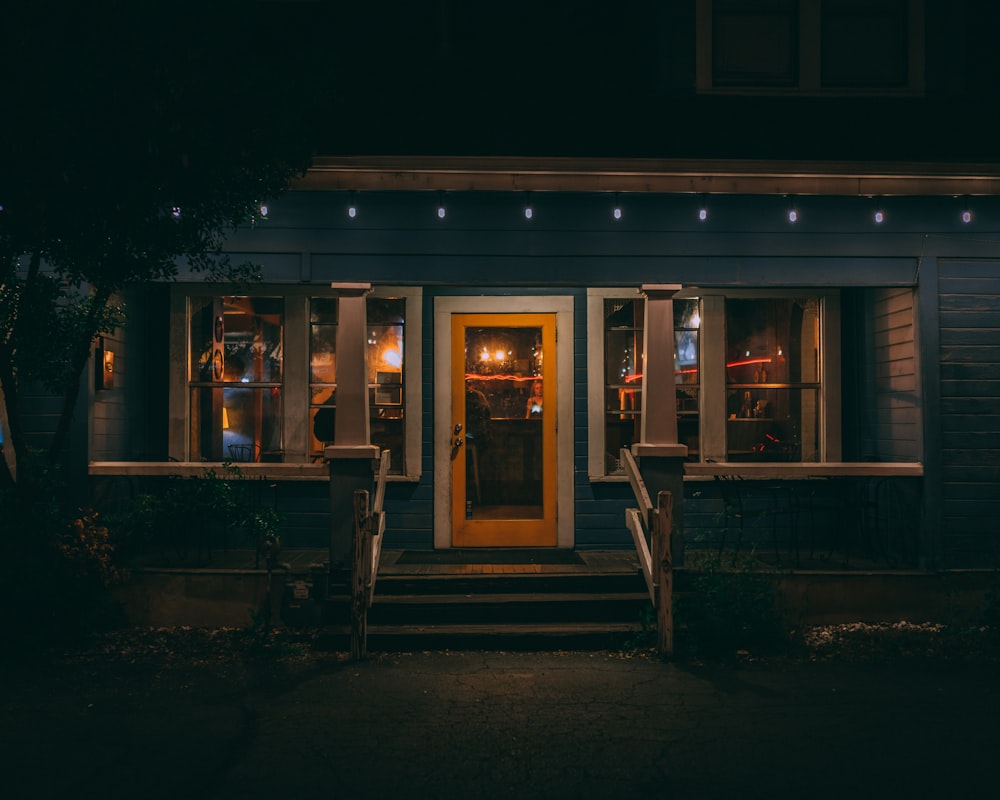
(386, 325)
(236, 378)
(504, 374)
(322, 371)
(623, 325)
(772, 379)
(687, 374)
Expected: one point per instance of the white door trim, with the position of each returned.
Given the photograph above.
(562, 307)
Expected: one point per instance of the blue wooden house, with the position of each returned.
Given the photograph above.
(770, 268)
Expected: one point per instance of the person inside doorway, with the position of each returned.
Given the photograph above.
(534, 406)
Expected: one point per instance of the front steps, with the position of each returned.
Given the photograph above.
(502, 606)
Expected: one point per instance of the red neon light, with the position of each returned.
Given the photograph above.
(748, 361)
(472, 376)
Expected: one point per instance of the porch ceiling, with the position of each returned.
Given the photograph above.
(496, 174)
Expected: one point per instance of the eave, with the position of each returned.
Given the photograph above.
(497, 174)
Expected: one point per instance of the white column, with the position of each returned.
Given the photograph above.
(659, 389)
(351, 425)
(351, 458)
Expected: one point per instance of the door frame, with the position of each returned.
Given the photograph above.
(444, 307)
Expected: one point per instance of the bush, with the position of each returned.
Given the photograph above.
(728, 611)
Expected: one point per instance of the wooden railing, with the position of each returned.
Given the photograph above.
(650, 528)
(369, 527)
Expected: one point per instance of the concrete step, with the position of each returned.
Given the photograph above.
(530, 611)
(505, 583)
(521, 607)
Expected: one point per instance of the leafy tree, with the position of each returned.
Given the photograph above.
(136, 136)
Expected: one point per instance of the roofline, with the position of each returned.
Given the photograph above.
(675, 176)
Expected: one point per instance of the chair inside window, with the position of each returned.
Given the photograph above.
(245, 452)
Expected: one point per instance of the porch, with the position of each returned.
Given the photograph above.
(566, 599)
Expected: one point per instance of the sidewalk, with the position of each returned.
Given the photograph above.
(497, 725)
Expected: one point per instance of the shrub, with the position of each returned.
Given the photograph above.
(728, 611)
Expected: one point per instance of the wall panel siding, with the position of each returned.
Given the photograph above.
(891, 394)
(969, 303)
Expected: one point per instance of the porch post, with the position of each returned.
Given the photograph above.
(351, 456)
(659, 455)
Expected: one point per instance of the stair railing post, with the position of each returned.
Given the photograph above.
(359, 576)
(663, 566)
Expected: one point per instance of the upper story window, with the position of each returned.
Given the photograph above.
(810, 46)
(755, 43)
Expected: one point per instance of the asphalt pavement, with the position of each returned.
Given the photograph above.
(497, 725)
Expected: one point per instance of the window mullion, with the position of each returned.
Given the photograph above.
(713, 378)
(296, 348)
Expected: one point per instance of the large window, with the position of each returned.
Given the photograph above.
(811, 46)
(748, 372)
(261, 378)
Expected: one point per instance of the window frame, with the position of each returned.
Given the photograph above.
(712, 390)
(810, 77)
(295, 377)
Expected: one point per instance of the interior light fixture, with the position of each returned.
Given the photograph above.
(616, 212)
(879, 216)
(264, 211)
(966, 216)
(529, 212)
(441, 212)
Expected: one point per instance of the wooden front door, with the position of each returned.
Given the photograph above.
(503, 431)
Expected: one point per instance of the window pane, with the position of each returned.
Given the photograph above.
(504, 398)
(687, 374)
(386, 322)
(623, 322)
(322, 415)
(236, 339)
(236, 424)
(772, 375)
(323, 341)
(781, 425)
(864, 43)
(235, 346)
(755, 43)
